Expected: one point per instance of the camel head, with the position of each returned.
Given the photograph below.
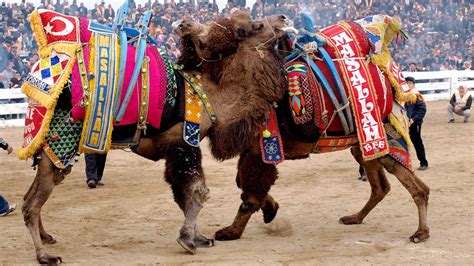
(268, 30)
(216, 38)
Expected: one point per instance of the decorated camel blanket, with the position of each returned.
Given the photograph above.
(357, 50)
(85, 55)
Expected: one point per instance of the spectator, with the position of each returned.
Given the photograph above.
(460, 104)
(440, 31)
(6, 208)
(7, 75)
(95, 164)
(416, 112)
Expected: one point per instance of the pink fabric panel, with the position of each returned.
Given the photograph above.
(85, 32)
(78, 113)
(157, 90)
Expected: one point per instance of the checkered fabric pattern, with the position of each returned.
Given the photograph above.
(50, 69)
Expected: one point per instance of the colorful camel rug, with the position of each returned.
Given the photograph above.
(335, 143)
(103, 67)
(271, 145)
(300, 92)
(63, 139)
(43, 85)
(358, 81)
(399, 149)
(193, 109)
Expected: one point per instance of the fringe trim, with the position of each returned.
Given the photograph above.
(37, 27)
(38, 141)
(397, 124)
(49, 101)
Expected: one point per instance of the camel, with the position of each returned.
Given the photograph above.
(183, 170)
(254, 177)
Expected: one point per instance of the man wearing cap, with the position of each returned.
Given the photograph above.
(416, 111)
(460, 104)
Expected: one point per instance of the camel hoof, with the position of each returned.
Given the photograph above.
(351, 219)
(48, 240)
(227, 233)
(203, 242)
(419, 236)
(50, 260)
(270, 211)
(187, 244)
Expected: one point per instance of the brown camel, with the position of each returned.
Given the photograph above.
(254, 177)
(183, 170)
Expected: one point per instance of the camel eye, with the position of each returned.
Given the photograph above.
(283, 17)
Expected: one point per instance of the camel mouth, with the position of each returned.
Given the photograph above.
(288, 26)
(290, 29)
(176, 24)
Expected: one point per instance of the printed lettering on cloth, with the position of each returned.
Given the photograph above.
(271, 145)
(193, 111)
(47, 77)
(97, 129)
(300, 93)
(37, 122)
(361, 88)
(398, 75)
(55, 30)
(335, 143)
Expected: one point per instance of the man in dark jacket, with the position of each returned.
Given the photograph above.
(416, 111)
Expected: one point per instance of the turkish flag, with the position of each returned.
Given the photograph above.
(58, 27)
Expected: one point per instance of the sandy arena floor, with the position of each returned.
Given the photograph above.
(133, 219)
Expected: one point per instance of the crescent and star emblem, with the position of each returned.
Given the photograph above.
(69, 27)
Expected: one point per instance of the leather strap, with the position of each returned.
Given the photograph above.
(84, 78)
(143, 109)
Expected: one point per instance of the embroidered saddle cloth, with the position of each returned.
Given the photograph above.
(85, 54)
(368, 90)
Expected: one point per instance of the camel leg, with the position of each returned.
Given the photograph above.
(47, 177)
(185, 175)
(255, 178)
(378, 183)
(419, 192)
(45, 237)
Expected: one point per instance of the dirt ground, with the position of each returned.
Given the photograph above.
(134, 220)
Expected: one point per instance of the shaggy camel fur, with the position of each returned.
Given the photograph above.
(183, 162)
(256, 178)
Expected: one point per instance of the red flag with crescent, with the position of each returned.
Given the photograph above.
(58, 27)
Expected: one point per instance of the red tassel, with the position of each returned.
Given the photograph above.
(396, 41)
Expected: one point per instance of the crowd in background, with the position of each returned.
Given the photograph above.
(439, 30)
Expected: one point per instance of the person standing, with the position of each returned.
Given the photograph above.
(95, 164)
(6, 208)
(416, 111)
(460, 104)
